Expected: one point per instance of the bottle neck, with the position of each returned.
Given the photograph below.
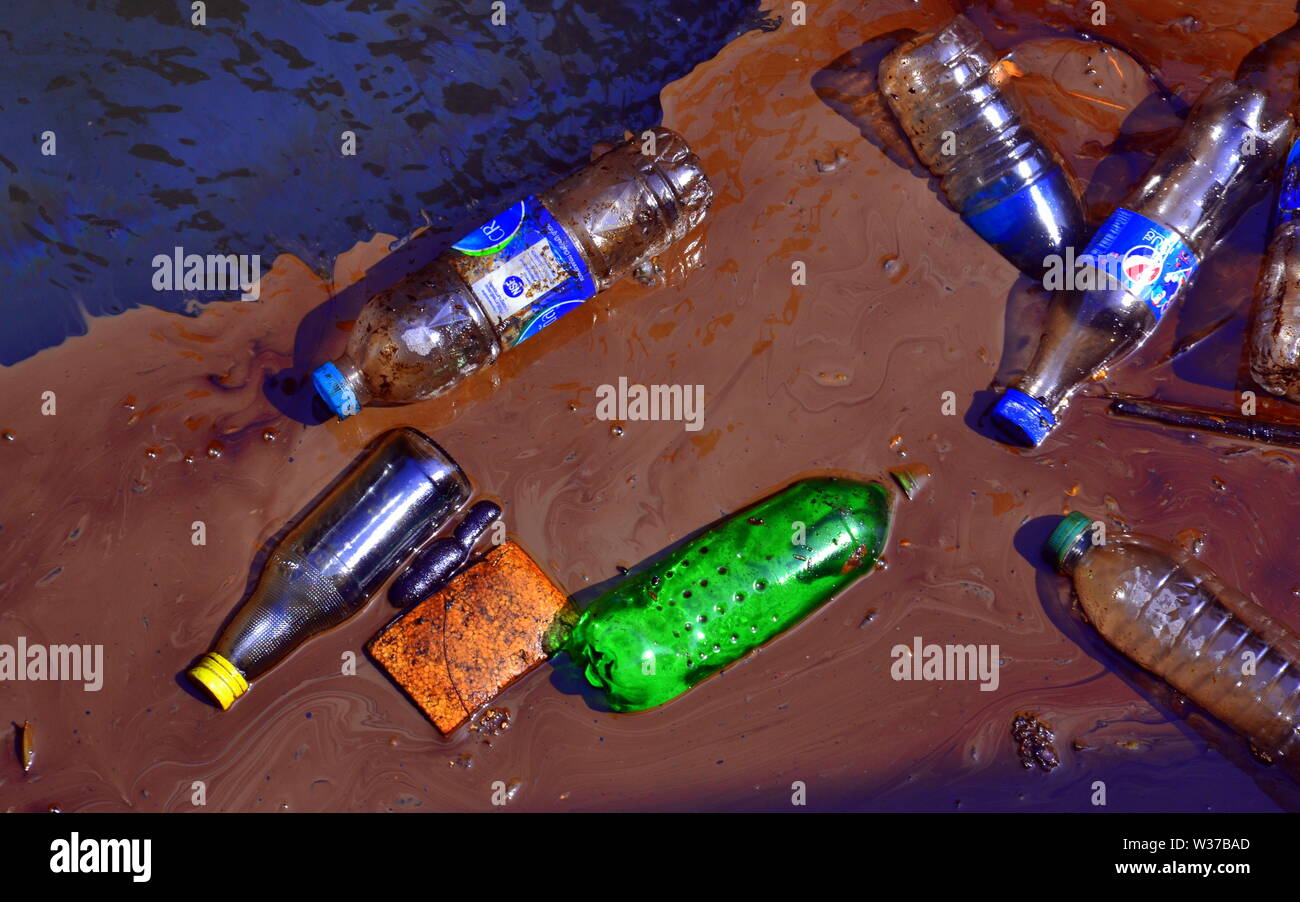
(1074, 554)
(356, 381)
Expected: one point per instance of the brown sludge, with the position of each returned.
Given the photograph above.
(460, 647)
(903, 303)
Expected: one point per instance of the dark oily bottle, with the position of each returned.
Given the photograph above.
(518, 273)
(733, 588)
(438, 561)
(1161, 607)
(960, 108)
(1144, 256)
(333, 562)
(1275, 321)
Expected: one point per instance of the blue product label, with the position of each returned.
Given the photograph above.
(494, 234)
(1149, 261)
(524, 269)
(1288, 201)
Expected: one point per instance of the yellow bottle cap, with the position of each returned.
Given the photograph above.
(222, 680)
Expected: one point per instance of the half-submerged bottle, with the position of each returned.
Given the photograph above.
(518, 273)
(329, 566)
(959, 106)
(1275, 321)
(1144, 256)
(1158, 605)
(730, 590)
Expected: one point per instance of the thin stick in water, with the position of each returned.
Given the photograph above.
(1254, 430)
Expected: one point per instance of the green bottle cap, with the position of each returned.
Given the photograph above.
(1064, 537)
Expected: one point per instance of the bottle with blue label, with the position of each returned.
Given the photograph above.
(960, 108)
(1275, 321)
(1141, 260)
(519, 272)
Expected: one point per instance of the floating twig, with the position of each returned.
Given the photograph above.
(1249, 428)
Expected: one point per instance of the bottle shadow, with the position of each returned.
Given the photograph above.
(1211, 346)
(1197, 725)
(850, 85)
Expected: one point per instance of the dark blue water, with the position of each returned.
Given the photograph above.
(226, 138)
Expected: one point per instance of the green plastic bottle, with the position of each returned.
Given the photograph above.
(736, 586)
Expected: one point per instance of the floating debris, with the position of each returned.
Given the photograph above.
(1249, 428)
(1035, 742)
(27, 745)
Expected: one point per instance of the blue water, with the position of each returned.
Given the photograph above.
(227, 138)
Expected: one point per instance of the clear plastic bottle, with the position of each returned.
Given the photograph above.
(959, 108)
(1158, 605)
(1275, 322)
(1144, 256)
(518, 273)
(330, 565)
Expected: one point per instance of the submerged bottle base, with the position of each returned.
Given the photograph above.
(1032, 225)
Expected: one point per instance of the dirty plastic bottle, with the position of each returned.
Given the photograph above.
(728, 591)
(1158, 605)
(518, 273)
(959, 107)
(1144, 256)
(1275, 322)
(332, 563)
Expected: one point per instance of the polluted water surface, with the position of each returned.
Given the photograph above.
(840, 316)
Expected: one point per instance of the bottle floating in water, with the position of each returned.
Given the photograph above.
(1144, 256)
(330, 564)
(1275, 323)
(959, 107)
(1158, 605)
(736, 586)
(519, 272)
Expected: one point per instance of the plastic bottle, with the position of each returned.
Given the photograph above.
(1144, 256)
(730, 590)
(1275, 322)
(1158, 605)
(518, 273)
(958, 106)
(331, 564)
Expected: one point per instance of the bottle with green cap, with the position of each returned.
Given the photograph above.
(1155, 603)
(332, 563)
(731, 589)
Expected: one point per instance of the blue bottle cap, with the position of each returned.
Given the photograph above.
(335, 391)
(1023, 419)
